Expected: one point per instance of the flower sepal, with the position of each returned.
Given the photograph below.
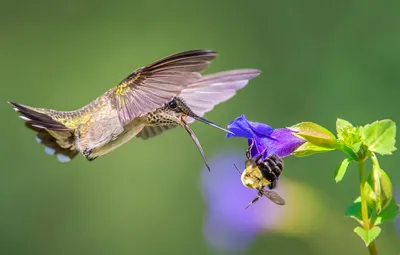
(318, 139)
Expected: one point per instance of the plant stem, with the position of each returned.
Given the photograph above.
(364, 206)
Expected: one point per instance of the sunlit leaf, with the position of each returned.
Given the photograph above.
(341, 169)
(389, 213)
(386, 189)
(342, 128)
(368, 235)
(369, 194)
(381, 185)
(380, 136)
(348, 135)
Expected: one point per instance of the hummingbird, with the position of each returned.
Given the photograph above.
(167, 93)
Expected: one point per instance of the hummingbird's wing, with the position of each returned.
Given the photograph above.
(154, 85)
(204, 94)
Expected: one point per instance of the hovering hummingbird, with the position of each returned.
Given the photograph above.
(168, 93)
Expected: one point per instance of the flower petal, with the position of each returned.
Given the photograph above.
(284, 142)
(248, 129)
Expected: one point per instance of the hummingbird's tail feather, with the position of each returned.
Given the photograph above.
(56, 143)
(57, 138)
(38, 117)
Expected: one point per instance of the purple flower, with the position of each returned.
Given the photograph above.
(280, 141)
(229, 227)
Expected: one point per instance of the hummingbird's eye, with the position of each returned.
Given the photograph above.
(172, 104)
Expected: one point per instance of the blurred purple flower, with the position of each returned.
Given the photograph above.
(229, 227)
(280, 141)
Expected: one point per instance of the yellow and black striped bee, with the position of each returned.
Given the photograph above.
(260, 174)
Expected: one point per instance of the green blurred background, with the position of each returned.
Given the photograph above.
(320, 60)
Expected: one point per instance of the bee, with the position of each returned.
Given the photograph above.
(259, 174)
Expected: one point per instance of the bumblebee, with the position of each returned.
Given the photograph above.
(259, 174)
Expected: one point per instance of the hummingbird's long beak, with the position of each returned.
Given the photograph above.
(210, 123)
(196, 141)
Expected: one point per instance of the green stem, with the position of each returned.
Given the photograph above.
(364, 206)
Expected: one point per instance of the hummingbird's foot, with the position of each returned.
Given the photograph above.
(88, 154)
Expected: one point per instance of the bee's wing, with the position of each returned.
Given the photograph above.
(273, 196)
(154, 85)
(204, 94)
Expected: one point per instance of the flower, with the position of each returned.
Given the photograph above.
(228, 226)
(281, 142)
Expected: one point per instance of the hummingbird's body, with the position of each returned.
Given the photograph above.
(151, 100)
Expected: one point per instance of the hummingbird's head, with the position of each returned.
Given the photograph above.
(181, 110)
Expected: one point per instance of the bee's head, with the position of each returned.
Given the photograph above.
(251, 175)
(251, 163)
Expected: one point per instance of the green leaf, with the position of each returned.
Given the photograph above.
(349, 151)
(341, 169)
(354, 211)
(386, 188)
(380, 136)
(307, 149)
(381, 185)
(315, 134)
(369, 194)
(368, 235)
(342, 128)
(375, 181)
(348, 135)
(389, 213)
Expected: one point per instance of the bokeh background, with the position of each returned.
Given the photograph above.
(320, 60)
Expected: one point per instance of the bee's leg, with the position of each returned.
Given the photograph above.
(261, 154)
(249, 148)
(254, 200)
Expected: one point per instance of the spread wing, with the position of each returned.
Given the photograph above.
(204, 94)
(154, 85)
(273, 196)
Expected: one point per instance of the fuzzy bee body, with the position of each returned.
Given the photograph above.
(259, 174)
